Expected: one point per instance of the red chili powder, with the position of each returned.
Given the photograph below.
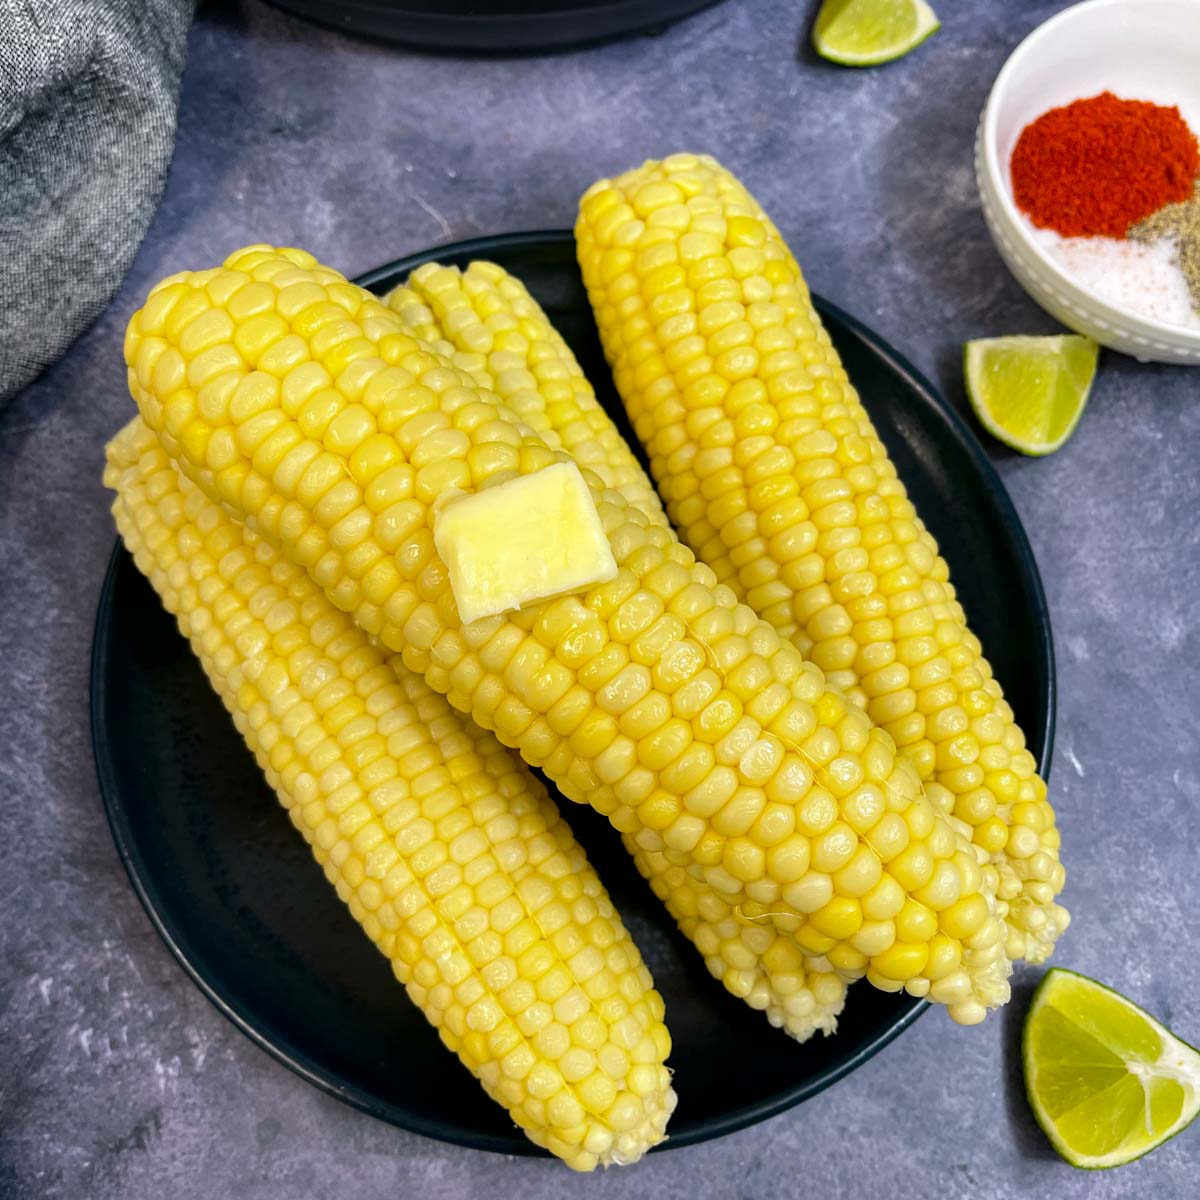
(1097, 166)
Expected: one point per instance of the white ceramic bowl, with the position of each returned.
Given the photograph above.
(1139, 49)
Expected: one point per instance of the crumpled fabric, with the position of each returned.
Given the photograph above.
(88, 97)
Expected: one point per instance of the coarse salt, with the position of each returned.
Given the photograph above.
(1145, 277)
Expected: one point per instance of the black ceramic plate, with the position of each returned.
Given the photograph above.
(494, 26)
(232, 890)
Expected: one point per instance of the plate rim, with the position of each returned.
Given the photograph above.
(579, 26)
(410, 1119)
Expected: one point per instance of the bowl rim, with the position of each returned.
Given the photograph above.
(999, 197)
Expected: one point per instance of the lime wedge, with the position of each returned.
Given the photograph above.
(1030, 391)
(865, 33)
(1106, 1081)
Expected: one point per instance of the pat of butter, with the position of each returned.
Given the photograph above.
(524, 540)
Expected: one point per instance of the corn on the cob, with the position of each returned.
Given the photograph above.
(485, 314)
(299, 402)
(775, 477)
(446, 849)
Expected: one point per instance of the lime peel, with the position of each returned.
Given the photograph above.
(868, 33)
(1106, 1081)
(1029, 392)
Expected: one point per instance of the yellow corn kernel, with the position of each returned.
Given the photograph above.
(902, 961)
(963, 918)
(840, 918)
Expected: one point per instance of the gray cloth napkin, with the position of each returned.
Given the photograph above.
(88, 92)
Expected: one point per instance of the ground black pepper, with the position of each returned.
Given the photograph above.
(1180, 221)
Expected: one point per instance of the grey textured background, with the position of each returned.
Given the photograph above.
(117, 1079)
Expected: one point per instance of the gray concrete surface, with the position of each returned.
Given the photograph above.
(117, 1079)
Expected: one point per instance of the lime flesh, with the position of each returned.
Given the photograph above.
(865, 33)
(1029, 392)
(1106, 1082)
